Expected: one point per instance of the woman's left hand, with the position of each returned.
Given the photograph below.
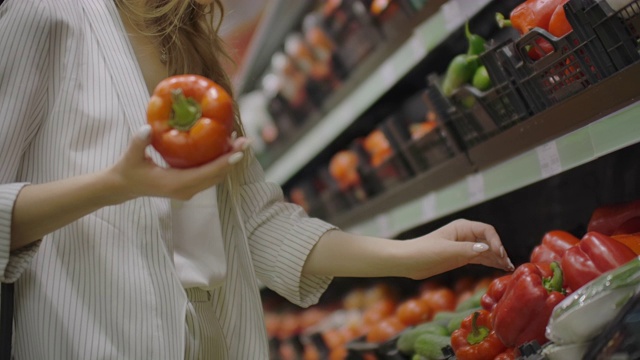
(454, 245)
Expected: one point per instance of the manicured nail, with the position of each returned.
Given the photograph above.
(235, 158)
(480, 247)
(511, 267)
(247, 142)
(144, 132)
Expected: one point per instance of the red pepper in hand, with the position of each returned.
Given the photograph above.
(594, 255)
(494, 293)
(475, 340)
(554, 244)
(191, 119)
(524, 311)
(616, 219)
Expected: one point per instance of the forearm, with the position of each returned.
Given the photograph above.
(347, 255)
(43, 208)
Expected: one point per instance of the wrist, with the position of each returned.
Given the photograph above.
(113, 187)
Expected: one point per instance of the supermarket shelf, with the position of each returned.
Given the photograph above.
(425, 37)
(279, 18)
(382, 52)
(599, 138)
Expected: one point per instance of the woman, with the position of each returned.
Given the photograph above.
(115, 255)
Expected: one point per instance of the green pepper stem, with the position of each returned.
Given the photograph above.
(502, 22)
(554, 283)
(467, 31)
(478, 333)
(186, 111)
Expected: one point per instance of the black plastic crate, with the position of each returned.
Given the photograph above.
(466, 130)
(421, 152)
(618, 30)
(504, 102)
(306, 193)
(564, 67)
(383, 176)
(393, 19)
(353, 30)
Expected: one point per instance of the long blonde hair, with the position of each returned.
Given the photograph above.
(187, 32)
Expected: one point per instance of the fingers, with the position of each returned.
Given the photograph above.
(139, 143)
(475, 234)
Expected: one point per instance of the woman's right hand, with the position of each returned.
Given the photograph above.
(137, 175)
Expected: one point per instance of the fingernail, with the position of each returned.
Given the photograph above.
(511, 267)
(247, 142)
(235, 158)
(143, 132)
(234, 135)
(501, 251)
(480, 247)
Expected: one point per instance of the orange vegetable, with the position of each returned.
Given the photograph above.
(385, 330)
(414, 311)
(343, 168)
(631, 240)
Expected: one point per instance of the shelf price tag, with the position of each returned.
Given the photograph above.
(549, 159)
(384, 227)
(418, 47)
(475, 185)
(389, 74)
(429, 207)
(453, 15)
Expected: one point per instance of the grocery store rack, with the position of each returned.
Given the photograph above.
(593, 123)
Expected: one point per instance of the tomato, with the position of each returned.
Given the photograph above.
(339, 353)
(343, 167)
(442, 299)
(414, 312)
(272, 323)
(191, 118)
(377, 146)
(421, 129)
(379, 311)
(333, 338)
(385, 330)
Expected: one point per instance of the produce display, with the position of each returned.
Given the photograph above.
(560, 300)
(483, 91)
(555, 50)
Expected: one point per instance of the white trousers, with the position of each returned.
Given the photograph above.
(204, 337)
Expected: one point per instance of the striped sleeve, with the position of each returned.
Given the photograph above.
(24, 40)
(11, 264)
(281, 236)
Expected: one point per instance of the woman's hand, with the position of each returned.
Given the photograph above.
(454, 245)
(137, 175)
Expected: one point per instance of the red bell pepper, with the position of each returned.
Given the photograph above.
(554, 244)
(595, 254)
(524, 311)
(494, 293)
(534, 13)
(559, 26)
(509, 354)
(475, 340)
(616, 219)
(631, 240)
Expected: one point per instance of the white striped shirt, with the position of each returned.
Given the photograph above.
(105, 286)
